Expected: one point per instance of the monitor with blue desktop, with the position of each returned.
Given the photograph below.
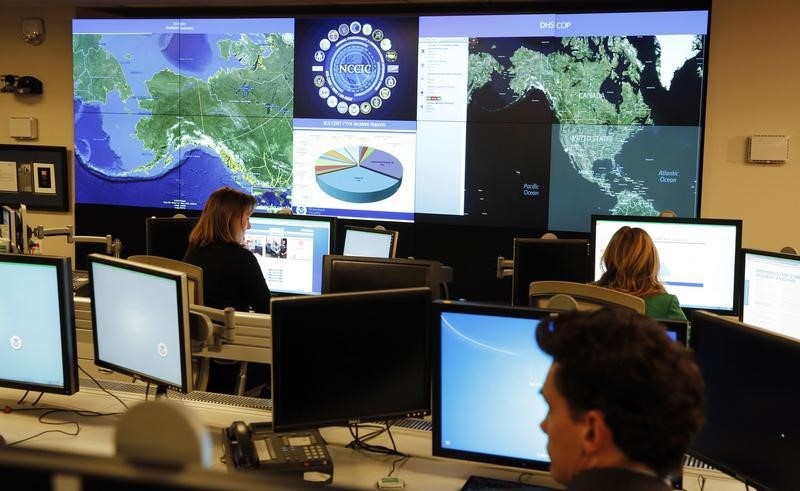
(770, 291)
(37, 335)
(482, 355)
(751, 376)
(140, 315)
(699, 257)
(290, 250)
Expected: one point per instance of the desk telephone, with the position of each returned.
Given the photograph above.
(256, 447)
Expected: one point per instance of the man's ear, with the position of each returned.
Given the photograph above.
(596, 434)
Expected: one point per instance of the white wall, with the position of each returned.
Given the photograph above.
(754, 71)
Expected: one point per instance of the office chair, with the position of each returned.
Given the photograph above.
(194, 274)
(194, 278)
(567, 295)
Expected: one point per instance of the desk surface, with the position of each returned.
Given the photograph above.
(353, 469)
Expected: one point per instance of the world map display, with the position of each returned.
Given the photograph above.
(163, 119)
(616, 121)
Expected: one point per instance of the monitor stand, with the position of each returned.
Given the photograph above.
(161, 391)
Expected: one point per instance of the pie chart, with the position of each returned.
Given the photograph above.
(358, 174)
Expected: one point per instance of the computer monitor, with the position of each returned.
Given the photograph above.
(770, 291)
(168, 236)
(751, 429)
(699, 257)
(677, 330)
(350, 274)
(548, 259)
(367, 354)
(140, 315)
(37, 335)
(290, 248)
(487, 374)
(15, 228)
(369, 242)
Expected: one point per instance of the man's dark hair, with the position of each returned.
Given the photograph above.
(624, 364)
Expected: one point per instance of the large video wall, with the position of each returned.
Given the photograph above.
(527, 120)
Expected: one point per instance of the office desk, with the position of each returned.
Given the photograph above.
(352, 469)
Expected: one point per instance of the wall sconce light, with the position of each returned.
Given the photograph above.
(20, 85)
(33, 31)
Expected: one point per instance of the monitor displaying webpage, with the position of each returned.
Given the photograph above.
(290, 252)
(698, 260)
(771, 292)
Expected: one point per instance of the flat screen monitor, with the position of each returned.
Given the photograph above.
(677, 330)
(168, 236)
(699, 257)
(140, 315)
(15, 229)
(771, 291)
(369, 242)
(487, 374)
(350, 274)
(751, 429)
(290, 248)
(548, 259)
(37, 335)
(350, 357)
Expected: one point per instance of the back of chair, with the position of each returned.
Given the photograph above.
(194, 274)
(567, 295)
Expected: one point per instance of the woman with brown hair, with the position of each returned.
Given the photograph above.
(231, 274)
(630, 264)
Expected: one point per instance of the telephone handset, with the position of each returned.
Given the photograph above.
(255, 446)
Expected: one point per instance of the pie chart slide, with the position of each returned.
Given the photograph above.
(358, 174)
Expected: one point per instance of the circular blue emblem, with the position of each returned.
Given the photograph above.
(355, 66)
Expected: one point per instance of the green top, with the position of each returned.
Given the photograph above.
(663, 306)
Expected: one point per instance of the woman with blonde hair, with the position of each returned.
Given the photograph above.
(630, 264)
(232, 276)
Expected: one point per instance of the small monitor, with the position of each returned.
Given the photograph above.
(751, 429)
(488, 371)
(168, 236)
(771, 290)
(290, 248)
(350, 274)
(38, 349)
(677, 330)
(369, 242)
(699, 257)
(545, 260)
(15, 229)
(350, 357)
(140, 315)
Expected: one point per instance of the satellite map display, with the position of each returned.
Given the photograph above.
(167, 111)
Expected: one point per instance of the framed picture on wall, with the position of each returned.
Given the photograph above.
(35, 176)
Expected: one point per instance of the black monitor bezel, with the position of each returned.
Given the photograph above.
(737, 223)
(519, 289)
(698, 318)
(681, 328)
(287, 304)
(66, 312)
(434, 270)
(377, 231)
(437, 308)
(182, 294)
